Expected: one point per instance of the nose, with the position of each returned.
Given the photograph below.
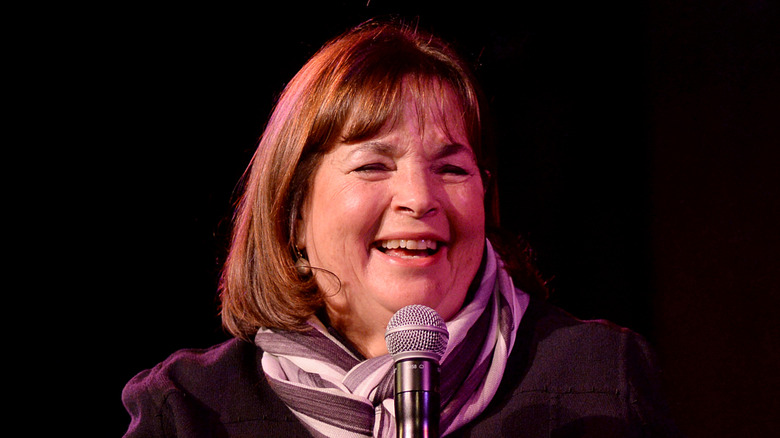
(416, 194)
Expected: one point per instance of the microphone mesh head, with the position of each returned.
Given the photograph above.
(417, 329)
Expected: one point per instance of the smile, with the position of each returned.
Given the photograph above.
(408, 248)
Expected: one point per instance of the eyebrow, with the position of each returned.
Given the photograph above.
(387, 149)
(451, 149)
(377, 147)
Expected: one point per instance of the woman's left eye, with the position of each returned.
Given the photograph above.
(453, 169)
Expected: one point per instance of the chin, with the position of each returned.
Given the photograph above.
(446, 304)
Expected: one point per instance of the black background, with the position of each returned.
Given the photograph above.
(639, 157)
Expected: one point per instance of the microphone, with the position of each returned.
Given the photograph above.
(416, 338)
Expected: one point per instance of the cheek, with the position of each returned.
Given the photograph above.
(469, 203)
(342, 216)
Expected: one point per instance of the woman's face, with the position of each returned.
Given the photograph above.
(398, 218)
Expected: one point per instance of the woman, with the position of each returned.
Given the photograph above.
(371, 190)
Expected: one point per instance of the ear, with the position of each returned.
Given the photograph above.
(300, 234)
(486, 180)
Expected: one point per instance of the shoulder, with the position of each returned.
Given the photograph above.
(551, 326)
(190, 369)
(567, 376)
(206, 390)
(566, 353)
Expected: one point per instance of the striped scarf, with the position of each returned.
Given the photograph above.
(337, 394)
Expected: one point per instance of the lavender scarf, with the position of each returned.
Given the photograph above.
(336, 394)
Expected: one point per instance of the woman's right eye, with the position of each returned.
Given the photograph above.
(373, 167)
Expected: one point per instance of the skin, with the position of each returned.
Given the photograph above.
(412, 181)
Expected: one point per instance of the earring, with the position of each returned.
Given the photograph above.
(302, 264)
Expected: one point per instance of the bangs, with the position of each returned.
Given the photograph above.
(367, 79)
(376, 109)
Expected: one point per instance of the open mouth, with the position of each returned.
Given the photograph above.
(408, 248)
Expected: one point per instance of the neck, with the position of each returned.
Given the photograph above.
(365, 337)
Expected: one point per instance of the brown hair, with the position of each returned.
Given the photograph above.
(347, 91)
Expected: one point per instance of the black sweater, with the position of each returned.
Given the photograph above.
(565, 378)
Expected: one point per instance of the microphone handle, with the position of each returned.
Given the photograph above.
(417, 398)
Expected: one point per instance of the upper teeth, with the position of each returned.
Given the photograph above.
(409, 244)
